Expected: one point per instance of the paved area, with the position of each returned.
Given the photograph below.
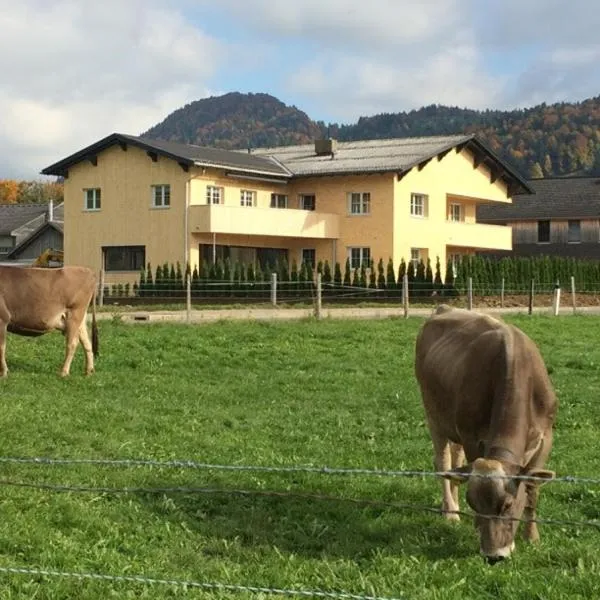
(291, 314)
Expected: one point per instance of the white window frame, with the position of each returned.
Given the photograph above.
(279, 200)
(301, 201)
(359, 255)
(161, 195)
(419, 205)
(359, 203)
(574, 241)
(313, 262)
(214, 194)
(95, 195)
(456, 213)
(247, 198)
(415, 257)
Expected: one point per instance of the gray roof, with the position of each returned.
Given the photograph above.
(385, 155)
(363, 156)
(372, 156)
(13, 216)
(554, 198)
(186, 154)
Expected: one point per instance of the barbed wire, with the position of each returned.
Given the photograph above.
(65, 488)
(325, 470)
(214, 586)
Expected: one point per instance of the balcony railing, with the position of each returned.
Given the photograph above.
(280, 222)
(478, 235)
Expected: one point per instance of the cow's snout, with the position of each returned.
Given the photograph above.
(499, 554)
(492, 560)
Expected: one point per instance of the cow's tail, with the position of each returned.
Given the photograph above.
(95, 344)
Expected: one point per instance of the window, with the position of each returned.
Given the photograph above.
(359, 256)
(456, 212)
(359, 203)
(247, 198)
(279, 201)
(214, 194)
(309, 256)
(124, 258)
(92, 198)
(574, 232)
(415, 257)
(307, 201)
(418, 205)
(161, 196)
(543, 232)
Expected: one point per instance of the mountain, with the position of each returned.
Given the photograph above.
(545, 140)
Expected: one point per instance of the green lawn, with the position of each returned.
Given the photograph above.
(333, 393)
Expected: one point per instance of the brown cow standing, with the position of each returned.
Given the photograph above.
(35, 301)
(487, 396)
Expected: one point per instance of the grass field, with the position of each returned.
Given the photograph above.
(335, 393)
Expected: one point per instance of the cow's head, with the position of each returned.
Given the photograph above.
(498, 497)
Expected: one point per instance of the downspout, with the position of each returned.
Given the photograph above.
(186, 233)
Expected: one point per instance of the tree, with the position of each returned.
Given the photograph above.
(372, 277)
(380, 275)
(437, 281)
(535, 171)
(348, 274)
(337, 275)
(390, 276)
(9, 191)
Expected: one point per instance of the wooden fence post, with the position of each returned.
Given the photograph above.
(188, 299)
(531, 292)
(470, 293)
(556, 299)
(405, 295)
(274, 289)
(573, 297)
(101, 290)
(319, 298)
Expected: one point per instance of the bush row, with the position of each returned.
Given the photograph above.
(223, 278)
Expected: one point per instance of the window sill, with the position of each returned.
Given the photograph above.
(419, 217)
(577, 242)
(160, 207)
(358, 214)
(543, 243)
(91, 210)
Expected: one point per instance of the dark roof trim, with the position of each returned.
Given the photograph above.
(89, 152)
(34, 236)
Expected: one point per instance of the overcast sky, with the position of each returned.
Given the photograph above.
(74, 71)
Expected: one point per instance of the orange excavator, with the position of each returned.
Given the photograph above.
(49, 258)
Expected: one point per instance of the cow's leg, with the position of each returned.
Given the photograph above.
(458, 459)
(443, 462)
(530, 529)
(3, 365)
(87, 347)
(71, 331)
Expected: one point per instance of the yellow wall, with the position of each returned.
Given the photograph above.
(127, 217)
(451, 179)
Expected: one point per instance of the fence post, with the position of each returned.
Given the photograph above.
(188, 299)
(405, 295)
(274, 289)
(502, 293)
(556, 299)
(319, 298)
(531, 292)
(573, 298)
(101, 290)
(470, 293)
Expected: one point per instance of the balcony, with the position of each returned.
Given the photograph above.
(477, 235)
(279, 222)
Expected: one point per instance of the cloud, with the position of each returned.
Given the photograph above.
(74, 72)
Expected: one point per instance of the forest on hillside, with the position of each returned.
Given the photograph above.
(546, 140)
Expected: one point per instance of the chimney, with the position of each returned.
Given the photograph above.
(50, 210)
(325, 147)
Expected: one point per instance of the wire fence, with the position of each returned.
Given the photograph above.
(283, 469)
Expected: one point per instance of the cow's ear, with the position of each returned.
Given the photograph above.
(459, 475)
(542, 475)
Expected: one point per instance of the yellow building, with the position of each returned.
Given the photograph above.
(131, 200)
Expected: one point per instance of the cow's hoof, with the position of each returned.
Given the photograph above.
(63, 374)
(449, 515)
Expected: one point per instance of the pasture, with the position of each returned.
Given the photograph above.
(334, 393)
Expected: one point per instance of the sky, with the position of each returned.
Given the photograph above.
(74, 71)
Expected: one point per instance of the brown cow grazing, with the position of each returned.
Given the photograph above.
(487, 396)
(35, 301)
